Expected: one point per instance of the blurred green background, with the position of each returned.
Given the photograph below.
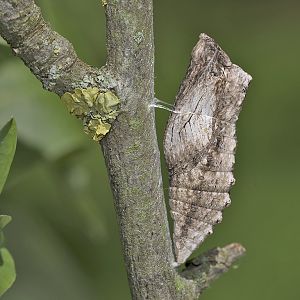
(64, 235)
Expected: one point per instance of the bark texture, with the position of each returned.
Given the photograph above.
(130, 149)
(206, 268)
(200, 144)
(132, 154)
(50, 57)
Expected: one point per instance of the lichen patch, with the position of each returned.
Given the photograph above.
(97, 109)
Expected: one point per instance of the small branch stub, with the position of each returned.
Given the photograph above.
(97, 109)
(211, 265)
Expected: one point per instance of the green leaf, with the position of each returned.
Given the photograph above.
(8, 142)
(7, 271)
(4, 220)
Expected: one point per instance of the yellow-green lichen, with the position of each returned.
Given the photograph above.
(179, 283)
(97, 109)
(138, 37)
(104, 2)
(133, 148)
(135, 123)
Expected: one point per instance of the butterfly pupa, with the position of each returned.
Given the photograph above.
(200, 142)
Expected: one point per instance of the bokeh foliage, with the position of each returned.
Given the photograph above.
(64, 236)
(8, 142)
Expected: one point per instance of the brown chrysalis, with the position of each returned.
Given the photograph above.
(200, 144)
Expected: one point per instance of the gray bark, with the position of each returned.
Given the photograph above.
(50, 57)
(132, 154)
(130, 149)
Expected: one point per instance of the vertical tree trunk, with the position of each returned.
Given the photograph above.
(132, 153)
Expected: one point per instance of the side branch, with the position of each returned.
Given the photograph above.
(205, 269)
(50, 57)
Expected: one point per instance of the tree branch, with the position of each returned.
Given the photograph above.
(130, 149)
(50, 57)
(211, 265)
(132, 154)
